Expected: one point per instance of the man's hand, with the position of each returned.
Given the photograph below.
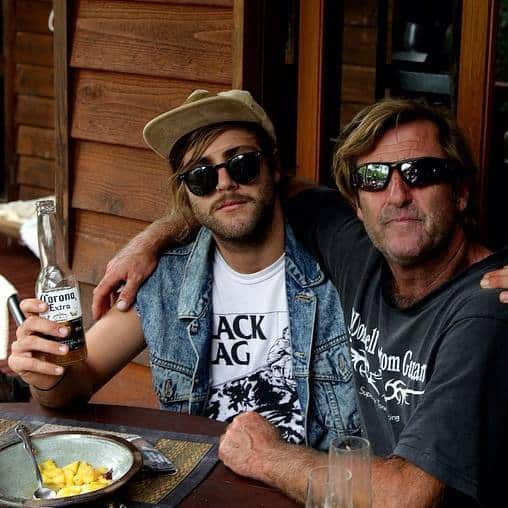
(252, 447)
(24, 359)
(249, 441)
(497, 279)
(131, 266)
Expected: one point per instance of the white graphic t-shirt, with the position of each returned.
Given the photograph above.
(250, 356)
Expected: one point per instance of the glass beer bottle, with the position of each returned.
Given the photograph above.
(57, 286)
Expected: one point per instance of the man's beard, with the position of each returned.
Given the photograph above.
(253, 229)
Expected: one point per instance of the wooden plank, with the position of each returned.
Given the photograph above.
(177, 41)
(36, 141)
(360, 13)
(60, 64)
(310, 100)
(96, 240)
(36, 171)
(32, 16)
(9, 141)
(476, 85)
(132, 387)
(118, 180)
(348, 110)
(36, 49)
(216, 3)
(359, 46)
(31, 192)
(34, 80)
(37, 111)
(114, 108)
(358, 84)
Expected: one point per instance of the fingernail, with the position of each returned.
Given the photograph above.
(59, 370)
(484, 283)
(63, 331)
(121, 305)
(42, 306)
(503, 297)
(62, 348)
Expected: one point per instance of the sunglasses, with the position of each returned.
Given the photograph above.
(242, 169)
(421, 172)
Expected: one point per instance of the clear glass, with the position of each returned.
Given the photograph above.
(57, 286)
(328, 487)
(353, 453)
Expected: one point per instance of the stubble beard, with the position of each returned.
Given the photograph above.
(253, 229)
(434, 237)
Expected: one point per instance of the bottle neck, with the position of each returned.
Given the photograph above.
(51, 243)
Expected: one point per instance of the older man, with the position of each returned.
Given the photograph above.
(428, 346)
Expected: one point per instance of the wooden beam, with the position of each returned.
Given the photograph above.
(60, 54)
(9, 36)
(310, 99)
(476, 85)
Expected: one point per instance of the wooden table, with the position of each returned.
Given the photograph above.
(222, 488)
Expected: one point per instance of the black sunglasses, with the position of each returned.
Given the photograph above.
(421, 172)
(242, 168)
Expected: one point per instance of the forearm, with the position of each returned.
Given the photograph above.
(288, 466)
(398, 484)
(163, 233)
(73, 386)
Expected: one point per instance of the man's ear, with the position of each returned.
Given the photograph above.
(358, 210)
(462, 197)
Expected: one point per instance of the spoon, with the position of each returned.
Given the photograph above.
(40, 492)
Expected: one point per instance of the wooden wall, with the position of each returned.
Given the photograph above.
(32, 99)
(360, 54)
(129, 61)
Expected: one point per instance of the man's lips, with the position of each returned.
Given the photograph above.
(229, 204)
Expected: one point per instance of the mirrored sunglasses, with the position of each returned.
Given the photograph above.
(242, 168)
(421, 172)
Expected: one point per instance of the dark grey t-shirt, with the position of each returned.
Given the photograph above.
(430, 378)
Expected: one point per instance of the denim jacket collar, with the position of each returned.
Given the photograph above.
(193, 297)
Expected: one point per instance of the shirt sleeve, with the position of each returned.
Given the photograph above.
(326, 225)
(458, 432)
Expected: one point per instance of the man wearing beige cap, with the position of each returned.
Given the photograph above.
(242, 318)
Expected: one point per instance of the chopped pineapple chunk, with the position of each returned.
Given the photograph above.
(74, 478)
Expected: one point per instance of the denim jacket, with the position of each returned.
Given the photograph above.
(175, 307)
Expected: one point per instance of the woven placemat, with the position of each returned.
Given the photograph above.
(147, 488)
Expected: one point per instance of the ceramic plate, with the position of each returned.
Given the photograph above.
(17, 478)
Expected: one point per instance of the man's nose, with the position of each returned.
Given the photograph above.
(225, 182)
(399, 192)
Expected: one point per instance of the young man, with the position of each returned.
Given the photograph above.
(428, 346)
(242, 318)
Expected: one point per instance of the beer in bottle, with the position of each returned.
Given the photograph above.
(57, 286)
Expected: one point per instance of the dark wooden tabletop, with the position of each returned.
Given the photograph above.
(222, 488)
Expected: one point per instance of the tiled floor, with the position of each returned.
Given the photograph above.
(130, 387)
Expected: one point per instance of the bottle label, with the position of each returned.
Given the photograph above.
(63, 304)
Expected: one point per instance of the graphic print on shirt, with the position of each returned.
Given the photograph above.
(250, 353)
(388, 377)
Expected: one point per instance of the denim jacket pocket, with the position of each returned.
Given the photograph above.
(334, 401)
(172, 382)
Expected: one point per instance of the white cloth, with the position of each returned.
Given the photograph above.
(6, 290)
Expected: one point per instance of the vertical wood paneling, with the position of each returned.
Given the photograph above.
(476, 85)
(61, 115)
(310, 71)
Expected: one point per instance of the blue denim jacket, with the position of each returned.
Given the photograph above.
(175, 306)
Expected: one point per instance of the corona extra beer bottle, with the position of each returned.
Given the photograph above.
(57, 286)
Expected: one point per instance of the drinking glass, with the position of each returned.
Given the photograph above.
(353, 453)
(328, 487)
